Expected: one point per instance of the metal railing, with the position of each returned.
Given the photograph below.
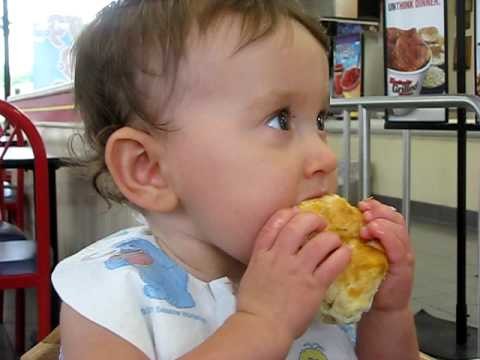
(363, 105)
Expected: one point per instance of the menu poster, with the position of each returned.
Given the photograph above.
(415, 61)
(347, 60)
(477, 47)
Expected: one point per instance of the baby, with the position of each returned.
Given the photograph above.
(208, 116)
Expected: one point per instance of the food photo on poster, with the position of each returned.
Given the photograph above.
(415, 48)
(347, 75)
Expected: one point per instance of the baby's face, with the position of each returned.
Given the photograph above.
(248, 141)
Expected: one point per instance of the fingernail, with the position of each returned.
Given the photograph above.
(278, 223)
(365, 204)
(377, 228)
(368, 215)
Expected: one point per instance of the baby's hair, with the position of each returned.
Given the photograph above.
(113, 52)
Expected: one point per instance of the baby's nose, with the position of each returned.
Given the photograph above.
(319, 158)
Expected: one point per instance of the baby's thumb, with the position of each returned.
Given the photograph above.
(268, 234)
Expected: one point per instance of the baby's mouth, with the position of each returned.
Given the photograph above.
(314, 196)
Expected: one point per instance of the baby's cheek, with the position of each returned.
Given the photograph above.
(229, 229)
(248, 230)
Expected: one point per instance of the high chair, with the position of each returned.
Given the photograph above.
(31, 270)
(47, 349)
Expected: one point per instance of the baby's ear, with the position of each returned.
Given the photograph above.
(134, 160)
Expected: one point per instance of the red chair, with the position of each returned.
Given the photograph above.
(29, 273)
(13, 188)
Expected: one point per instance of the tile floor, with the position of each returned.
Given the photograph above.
(435, 282)
(435, 289)
(436, 268)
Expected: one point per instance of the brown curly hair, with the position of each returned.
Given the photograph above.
(117, 45)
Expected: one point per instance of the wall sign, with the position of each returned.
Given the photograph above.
(415, 46)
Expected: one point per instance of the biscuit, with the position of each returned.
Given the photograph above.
(352, 293)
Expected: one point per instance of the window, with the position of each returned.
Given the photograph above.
(41, 36)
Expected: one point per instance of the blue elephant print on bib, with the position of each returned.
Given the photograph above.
(163, 278)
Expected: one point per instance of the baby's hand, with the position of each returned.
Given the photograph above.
(288, 275)
(384, 224)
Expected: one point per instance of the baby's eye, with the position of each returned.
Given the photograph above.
(321, 119)
(280, 121)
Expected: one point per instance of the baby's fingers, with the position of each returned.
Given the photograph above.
(317, 249)
(268, 234)
(390, 236)
(332, 266)
(373, 209)
(296, 232)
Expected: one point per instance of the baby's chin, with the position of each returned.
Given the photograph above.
(237, 269)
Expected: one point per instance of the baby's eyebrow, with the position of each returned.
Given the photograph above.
(282, 97)
(271, 98)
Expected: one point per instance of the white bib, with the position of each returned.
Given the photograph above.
(128, 285)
